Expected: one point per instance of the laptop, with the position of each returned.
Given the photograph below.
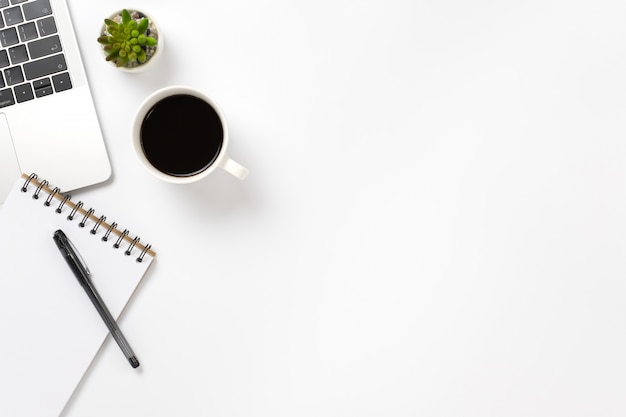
(48, 122)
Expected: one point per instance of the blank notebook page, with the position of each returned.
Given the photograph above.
(50, 330)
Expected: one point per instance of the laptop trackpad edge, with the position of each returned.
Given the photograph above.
(9, 167)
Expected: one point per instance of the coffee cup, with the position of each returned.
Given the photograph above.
(180, 135)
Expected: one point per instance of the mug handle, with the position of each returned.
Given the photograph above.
(233, 168)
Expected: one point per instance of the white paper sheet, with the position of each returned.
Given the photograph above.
(50, 330)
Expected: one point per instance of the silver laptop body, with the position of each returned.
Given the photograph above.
(48, 122)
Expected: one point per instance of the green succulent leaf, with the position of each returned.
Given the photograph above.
(113, 55)
(125, 17)
(126, 41)
(143, 25)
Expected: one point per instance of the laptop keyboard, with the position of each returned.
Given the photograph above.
(32, 64)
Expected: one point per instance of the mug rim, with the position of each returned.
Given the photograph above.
(138, 119)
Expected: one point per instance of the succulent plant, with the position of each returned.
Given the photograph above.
(126, 41)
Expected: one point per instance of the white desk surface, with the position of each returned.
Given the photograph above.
(434, 223)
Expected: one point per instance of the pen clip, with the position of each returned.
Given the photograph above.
(79, 258)
(71, 251)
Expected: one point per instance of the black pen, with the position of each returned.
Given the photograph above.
(78, 266)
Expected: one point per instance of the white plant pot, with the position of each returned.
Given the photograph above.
(153, 53)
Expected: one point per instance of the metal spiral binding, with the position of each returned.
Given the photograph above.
(145, 250)
(94, 230)
(51, 196)
(87, 215)
(108, 232)
(74, 210)
(30, 178)
(43, 185)
(65, 200)
(120, 239)
(39, 188)
(132, 245)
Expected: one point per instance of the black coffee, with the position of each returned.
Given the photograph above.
(182, 135)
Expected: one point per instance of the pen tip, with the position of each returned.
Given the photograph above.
(133, 361)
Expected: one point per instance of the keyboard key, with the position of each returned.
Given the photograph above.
(17, 1)
(45, 66)
(62, 82)
(43, 82)
(47, 26)
(4, 59)
(4, 3)
(8, 37)
(46, 46)
(13, 75)
(36, 9)
(27, 31)
(42, 87)
(18, 54)
(23, 92)
(43, 91)
(6, 97)
(13, 16)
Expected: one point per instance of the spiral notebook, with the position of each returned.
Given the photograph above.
(50, 330)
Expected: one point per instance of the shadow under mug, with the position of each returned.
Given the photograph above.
(180, 135)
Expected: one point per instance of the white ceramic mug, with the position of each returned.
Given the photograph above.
(177, 115)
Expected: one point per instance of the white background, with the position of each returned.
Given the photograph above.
(434, 223)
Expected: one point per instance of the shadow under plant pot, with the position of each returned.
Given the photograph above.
(131, 40)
